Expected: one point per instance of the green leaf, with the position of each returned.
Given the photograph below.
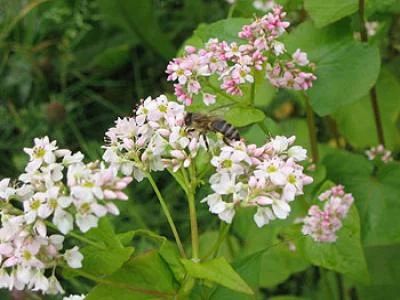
(170, 254)
(143, 277)
(278, 261)
(255, 134)
(218, 271)
(264, 92)
(249, 269)
(346, 69)
(241, 116)
(326, 12)
(297, 127)
(104, 233)
(380, 5)
(226, 249)
(137, 17)
(345, 255)
(105, 261)
(224, 30)
(359, 128)
(384, 267)
(376, 195)
(287, 298)
(168, 251)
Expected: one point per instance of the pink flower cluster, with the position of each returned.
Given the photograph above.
(267, 177)
(379, 152)
(56, 187)
(322, 224)
(233, 64)
(27, 253)
(152, 140)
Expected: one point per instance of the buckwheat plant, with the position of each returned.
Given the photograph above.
(56, 191)
(60, 196)
(322, 224)
(233, 64)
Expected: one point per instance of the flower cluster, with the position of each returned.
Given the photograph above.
(56, 188)
(59, 186)
(262, 5)
(267, 177)
(152, 140)
(233, 64)
(379, 152)
(322, 224)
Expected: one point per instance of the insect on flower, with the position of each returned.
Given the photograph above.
(205, 123)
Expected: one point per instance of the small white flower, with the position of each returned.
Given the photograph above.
(73, 258)
(278, 47)
(297, 153)
(263, 216)
(300, 58)
(5, 190)
(54, 286)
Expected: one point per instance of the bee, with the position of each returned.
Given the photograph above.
(204, 123)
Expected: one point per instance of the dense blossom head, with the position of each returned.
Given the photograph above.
(233, 64)
(56, 187)
(267, 177)
(322, 224)
(29, 256)
(378, 152)
(152, 140)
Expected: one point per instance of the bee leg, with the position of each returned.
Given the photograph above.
(187, 129)
(206, 141)
(227, 141)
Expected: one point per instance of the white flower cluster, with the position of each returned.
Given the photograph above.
(27, 253)
(57, 185)
(267, 177)
(322, 224)
(379, 152)
(153, 139)
(58, 188)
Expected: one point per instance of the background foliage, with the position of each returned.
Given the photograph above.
(70, 68)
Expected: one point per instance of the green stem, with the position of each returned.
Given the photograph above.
(223, 232)
(253, 90)
(190, 192)
(193, 226)
(372, 93)
(312, 130)
(178, 180)
(119, 285)
(339, 280)
(231, 10)
(24, 11)
(167, 214)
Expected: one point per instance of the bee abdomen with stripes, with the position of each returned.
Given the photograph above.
(228, 130)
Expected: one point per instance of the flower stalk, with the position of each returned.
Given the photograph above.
(312, 130)
(167, 214)
(372, 93)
